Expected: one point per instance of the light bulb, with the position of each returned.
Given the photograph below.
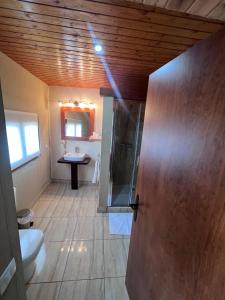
(98, 48)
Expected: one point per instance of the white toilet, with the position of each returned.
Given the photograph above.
(31, 241)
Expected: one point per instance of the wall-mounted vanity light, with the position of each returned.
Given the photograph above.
(81, 105)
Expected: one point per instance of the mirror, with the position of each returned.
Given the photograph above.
(77, 123)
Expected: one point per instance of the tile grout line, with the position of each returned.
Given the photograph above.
(74, 280)
(48, 226)
(60, 288)
(68, 254)
(70, 241)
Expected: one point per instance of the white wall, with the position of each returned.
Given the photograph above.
(62, 171)
(24, 92)
(105, 182)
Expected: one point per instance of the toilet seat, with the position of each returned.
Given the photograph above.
(31, 241)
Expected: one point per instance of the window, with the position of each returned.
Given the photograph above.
(31, 138)
(70, 129)
(14, 142)
(78, 130)
(23, 137)
(73, 128)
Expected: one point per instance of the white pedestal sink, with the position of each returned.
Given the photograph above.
(74, 156)
(74, 159)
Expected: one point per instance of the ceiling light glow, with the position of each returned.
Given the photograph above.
(98, 48)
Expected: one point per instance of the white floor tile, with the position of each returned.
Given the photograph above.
(115, 289)
(51, 262)
(85, 260)
(82, 290)
(41, 291)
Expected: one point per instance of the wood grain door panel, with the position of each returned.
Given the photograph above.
(177, 249)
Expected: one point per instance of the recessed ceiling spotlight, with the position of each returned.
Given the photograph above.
(98, 48)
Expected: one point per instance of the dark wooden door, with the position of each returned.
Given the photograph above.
(177, 249)
(9, 239)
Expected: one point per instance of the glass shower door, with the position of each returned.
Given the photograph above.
(127, 128)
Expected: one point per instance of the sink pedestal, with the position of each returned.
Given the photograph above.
(74, 169)
(74, 177)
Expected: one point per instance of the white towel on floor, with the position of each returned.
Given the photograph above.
(96, 175)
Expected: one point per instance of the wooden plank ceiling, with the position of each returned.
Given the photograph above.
(214, 9)
(54, 40)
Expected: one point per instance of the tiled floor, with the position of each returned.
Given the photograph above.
(85, 253)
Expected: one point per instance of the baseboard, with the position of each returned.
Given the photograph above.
(55, 180)
(110, 209)
(119, 209)
(102, 209)
(80, 182)
(41, 192)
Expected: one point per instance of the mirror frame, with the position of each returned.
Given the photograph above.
(77, 109)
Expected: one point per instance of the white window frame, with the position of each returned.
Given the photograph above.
(23, 119)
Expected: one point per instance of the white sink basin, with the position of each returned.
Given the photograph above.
(74, 156)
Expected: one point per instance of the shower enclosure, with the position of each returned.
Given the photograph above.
(126, 143)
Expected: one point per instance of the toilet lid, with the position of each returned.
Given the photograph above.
(30, 243)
